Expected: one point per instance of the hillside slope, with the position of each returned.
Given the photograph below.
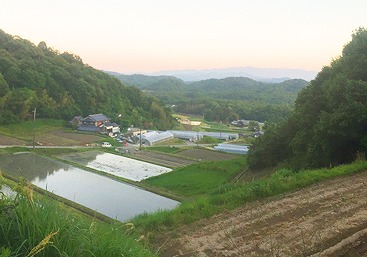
(222, 99)
(173, 89)
(327, 219)
(60, 85)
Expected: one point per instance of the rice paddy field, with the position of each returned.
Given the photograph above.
(117, 165)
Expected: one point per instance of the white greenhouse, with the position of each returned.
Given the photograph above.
(153, 137)
(230, 148)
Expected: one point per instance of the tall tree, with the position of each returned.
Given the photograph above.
(329, 123)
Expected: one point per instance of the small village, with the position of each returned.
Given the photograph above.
(100, 123)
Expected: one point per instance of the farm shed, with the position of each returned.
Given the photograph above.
(230, 148)
(153, 137)
(186, 135)
(194, 135)
(221, 135)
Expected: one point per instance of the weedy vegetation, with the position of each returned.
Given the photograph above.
(230, 196)
(32, 226)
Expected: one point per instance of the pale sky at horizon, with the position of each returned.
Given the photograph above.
(145, 36)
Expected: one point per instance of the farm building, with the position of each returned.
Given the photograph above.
(194, 135)
(153, 137)
(186, 135)
(230, 148)
(133, 132)
(240, 123)
(95, 123)
(221, 135)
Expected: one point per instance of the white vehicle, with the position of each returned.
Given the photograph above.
(106, 144)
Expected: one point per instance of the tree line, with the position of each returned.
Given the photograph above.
(329, 123)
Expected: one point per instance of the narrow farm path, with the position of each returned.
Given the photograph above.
(327, 219)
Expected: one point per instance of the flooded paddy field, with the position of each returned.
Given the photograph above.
(117, 165)
(112, 198)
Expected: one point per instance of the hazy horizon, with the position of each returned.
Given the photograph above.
(256, 73)
(149, 36)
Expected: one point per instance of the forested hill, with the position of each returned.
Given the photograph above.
(144, 81)
(329, 124)
(60, 85)
(172, 89)
(223, 99)
(240, 88)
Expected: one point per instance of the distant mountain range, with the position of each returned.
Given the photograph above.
(272, 75)
(223, 99)
(171, 89)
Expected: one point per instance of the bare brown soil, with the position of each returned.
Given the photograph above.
(327, 219)
(62, 138)
(55, 138)
(163, 159)
(182, 158)
(206, 155)
(4, 140)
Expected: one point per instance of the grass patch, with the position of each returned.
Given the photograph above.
(26, 129)
(173, 141)
(209, 140)
(49, 152)
(52, 152)
(198, 179)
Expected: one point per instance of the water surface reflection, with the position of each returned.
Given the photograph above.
(107, 196)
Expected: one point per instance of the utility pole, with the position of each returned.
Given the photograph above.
(141, 124)
(197, 137)
(34, 128)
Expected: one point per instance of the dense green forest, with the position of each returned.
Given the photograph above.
(222, 99)
(61, 86)
(329, 124)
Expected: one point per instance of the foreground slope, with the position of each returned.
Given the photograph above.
(327, 219)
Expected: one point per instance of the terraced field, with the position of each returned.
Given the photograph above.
(5, 140)
(206, 155)
(325, 220)
(163, 159)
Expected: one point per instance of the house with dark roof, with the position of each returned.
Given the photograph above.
(96, 119)
(95, 123)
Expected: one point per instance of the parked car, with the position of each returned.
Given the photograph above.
(106, 144)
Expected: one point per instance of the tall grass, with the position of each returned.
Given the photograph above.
(234, 195)
(33, 227)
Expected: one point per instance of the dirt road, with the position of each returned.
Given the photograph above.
(327, 219)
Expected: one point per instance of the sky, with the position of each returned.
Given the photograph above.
(145, 36)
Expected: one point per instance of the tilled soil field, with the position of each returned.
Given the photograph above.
(206, 155)
(162, 159)
(4, 140)
(327, 219)
(55, 138)
(62, 138)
